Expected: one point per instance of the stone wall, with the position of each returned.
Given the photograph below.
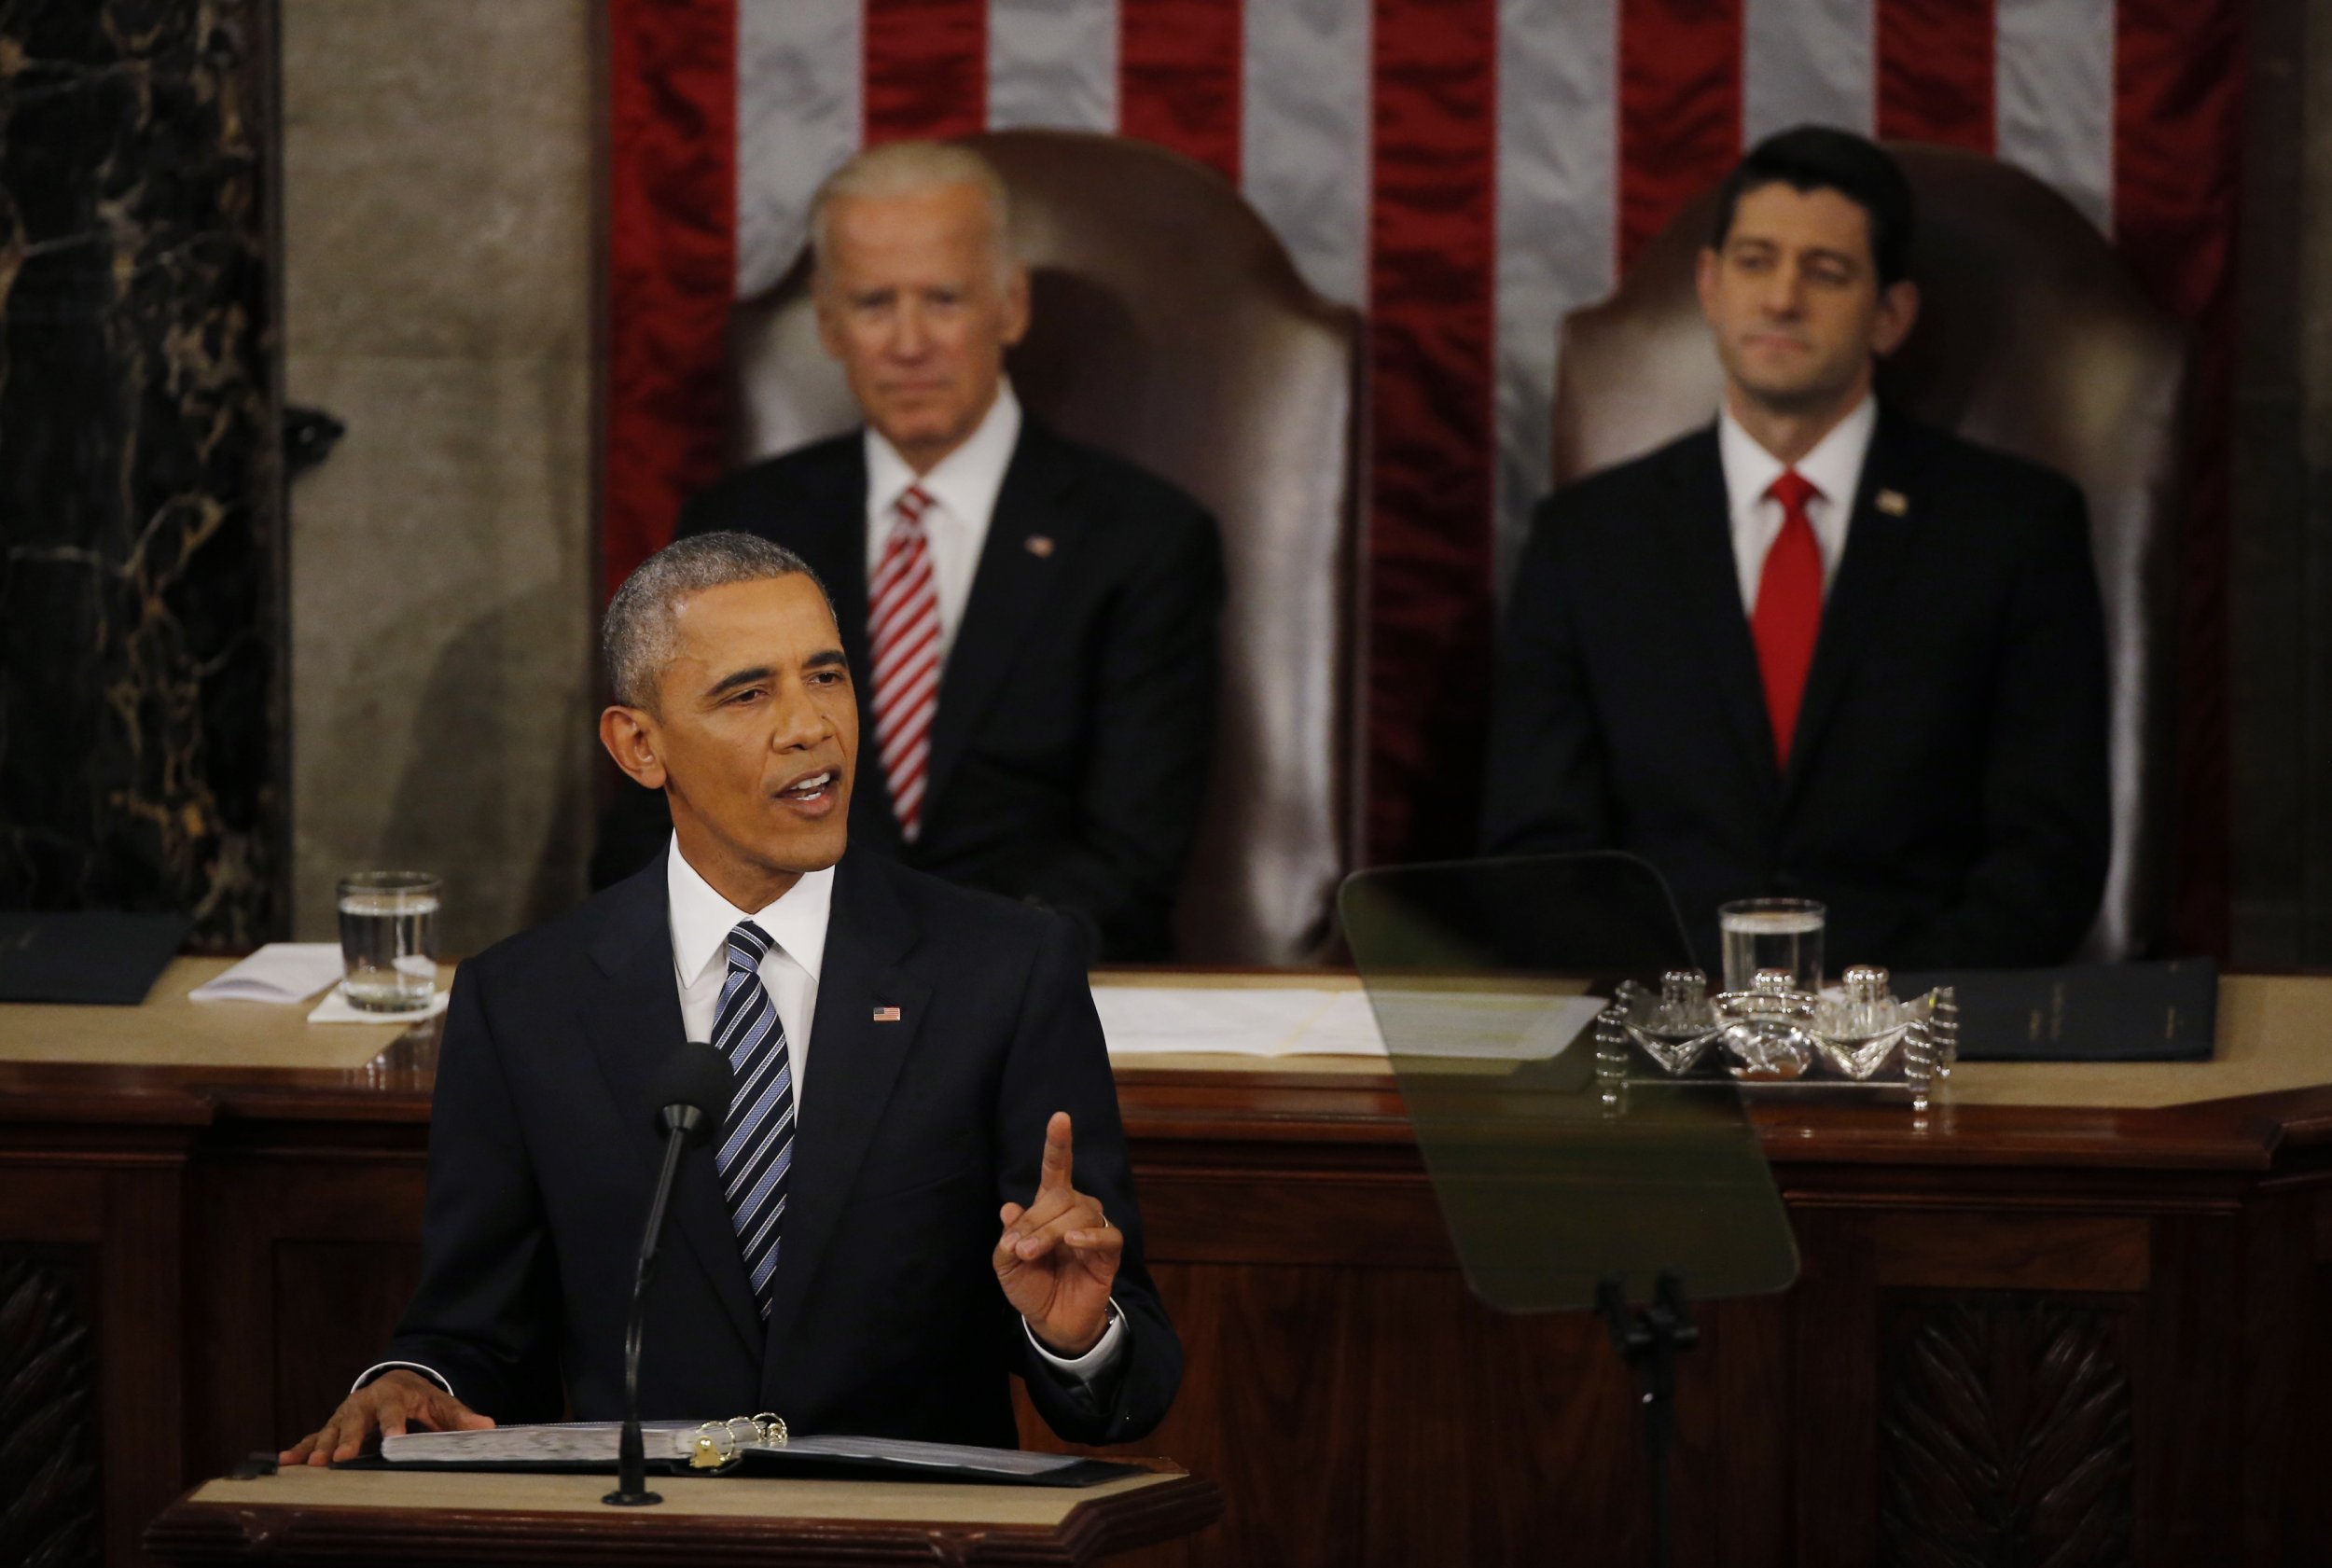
(438, 242)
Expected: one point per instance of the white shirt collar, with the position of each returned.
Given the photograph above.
(966, 480)
(1835, 465)
(701, 919)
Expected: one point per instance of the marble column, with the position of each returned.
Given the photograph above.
(141, 617)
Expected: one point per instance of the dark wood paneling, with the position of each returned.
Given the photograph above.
(1355, 1402)
(2013, 1252)
(2004, 1434)
(54, 1512)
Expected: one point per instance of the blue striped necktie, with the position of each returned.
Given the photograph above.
(759, 1151)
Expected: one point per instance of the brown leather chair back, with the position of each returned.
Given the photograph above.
(1170, 327)
(2031, 338)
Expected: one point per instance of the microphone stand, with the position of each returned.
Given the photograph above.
(680, 1124)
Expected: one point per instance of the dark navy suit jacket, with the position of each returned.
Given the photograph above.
(888, 1319)
(1946, 794)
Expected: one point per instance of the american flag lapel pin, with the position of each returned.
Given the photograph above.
(1039, 545)
(886, 1015)
(1891, 502)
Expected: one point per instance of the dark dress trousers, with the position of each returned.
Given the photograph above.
(1946, 795)
(1071, 748)
(887, 1316)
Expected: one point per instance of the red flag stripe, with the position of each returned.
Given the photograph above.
(1679, 108)
(926, 68)
(2177, 170)
(1433, 241)
(672, 189)
(1179, 76)
(1935, 72)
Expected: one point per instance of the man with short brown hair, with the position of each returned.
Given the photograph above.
(1817, 649)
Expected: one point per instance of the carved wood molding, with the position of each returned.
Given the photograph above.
(50, 1498)
(2004, 1436)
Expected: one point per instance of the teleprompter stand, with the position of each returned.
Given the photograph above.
(1649, 1341)
(1559, 1194)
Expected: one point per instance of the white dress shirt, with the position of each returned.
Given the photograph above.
(796, 923)
(702, 921)
(1835, 467)
(963, 487)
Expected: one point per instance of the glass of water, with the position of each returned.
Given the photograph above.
(388, 940)
(1771, 934)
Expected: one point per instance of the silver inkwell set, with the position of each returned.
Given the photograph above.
(1775, 1033)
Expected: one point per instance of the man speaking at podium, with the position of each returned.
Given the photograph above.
(877, 1236)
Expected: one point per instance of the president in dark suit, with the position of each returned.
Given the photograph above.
(1034, 619)
(878, 1237)
(1817, 649)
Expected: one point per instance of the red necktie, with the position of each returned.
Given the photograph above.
(903, 624)
(1789, 608)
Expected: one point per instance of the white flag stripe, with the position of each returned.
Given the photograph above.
(2053, 96)
(1557, 196)
(797, 117)
(1304, 135)
(1052, 63)
(1807, 60)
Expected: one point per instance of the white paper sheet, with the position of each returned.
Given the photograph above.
(1142, 1021)
(280, 973)
(597, 1443)
(338, 1008)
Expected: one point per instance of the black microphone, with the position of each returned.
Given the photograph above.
(688, 1099)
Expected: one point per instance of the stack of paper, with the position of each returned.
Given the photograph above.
(280, 973)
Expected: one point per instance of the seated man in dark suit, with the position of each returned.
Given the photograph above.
(870, 1248)
(1033, 620)
(1817, 649)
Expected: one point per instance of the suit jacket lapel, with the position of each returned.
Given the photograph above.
(1007, 592)
(1877, 542)
(867, 934)
(1699, 546)
(634, 1024)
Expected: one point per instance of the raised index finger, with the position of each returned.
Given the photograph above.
(1054, 1175)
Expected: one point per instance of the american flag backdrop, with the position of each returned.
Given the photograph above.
(1463, 172)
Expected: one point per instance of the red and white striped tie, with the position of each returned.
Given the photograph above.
(904, 627)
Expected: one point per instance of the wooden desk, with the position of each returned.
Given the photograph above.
(2083, 1305)
(368, 1517)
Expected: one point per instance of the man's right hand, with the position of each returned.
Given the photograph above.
(393, 1401)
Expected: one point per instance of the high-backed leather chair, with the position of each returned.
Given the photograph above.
(1170, 327)
(2031, 338)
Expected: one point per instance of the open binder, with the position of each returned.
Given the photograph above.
(747, 1446)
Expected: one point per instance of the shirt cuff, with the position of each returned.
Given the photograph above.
(370, 1373)
(1086, 1369)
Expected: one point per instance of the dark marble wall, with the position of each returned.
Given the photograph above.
(141, 539)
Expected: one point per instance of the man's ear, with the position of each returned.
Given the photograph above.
(1704, 281)
(631, 738)
(1898, 312)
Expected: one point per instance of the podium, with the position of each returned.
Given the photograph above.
(355, 1517)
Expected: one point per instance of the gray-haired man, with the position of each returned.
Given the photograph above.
(1032, 621)
(870, 1248)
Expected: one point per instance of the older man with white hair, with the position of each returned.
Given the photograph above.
(1032, 621)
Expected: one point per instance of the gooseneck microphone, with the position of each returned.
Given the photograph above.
(688, 1099)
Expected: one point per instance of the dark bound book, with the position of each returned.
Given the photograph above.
(112, 959)
(2165, 1010)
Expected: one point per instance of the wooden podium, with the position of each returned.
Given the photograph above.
(442, 1517)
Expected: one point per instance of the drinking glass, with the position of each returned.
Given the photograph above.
(388, 940)
(1771, 934)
